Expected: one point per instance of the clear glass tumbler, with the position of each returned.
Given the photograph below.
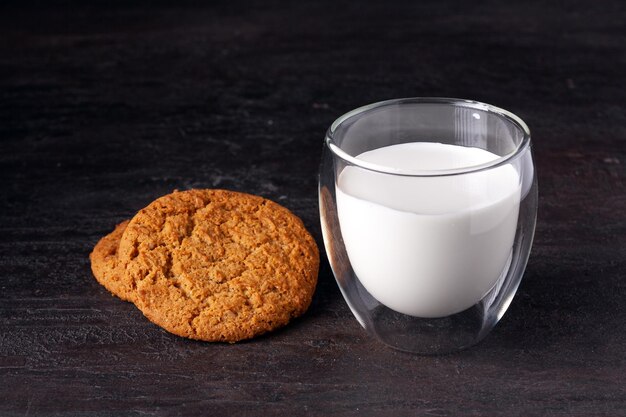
(428, 209)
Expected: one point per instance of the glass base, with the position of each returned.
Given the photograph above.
(427, 336)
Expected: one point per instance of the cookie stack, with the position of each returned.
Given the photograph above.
(211, 265)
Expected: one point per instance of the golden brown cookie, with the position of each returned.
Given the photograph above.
(218, 265)
(104, 262)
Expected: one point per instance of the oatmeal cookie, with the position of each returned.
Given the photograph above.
(104, 263)
(218, 265)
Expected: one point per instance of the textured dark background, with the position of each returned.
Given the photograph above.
(105, 107)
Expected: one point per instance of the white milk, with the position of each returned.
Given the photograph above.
(428, 246)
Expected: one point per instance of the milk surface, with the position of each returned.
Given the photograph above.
(428, 246)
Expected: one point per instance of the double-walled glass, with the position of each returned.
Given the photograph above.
(428, 209)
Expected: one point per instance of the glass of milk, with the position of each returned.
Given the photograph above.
(428, 209)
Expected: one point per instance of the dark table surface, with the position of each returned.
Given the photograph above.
(105, 107)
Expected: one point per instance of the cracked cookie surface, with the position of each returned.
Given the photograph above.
(218, 265)
(104, 262)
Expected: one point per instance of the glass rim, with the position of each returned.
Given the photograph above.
(455, 102)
